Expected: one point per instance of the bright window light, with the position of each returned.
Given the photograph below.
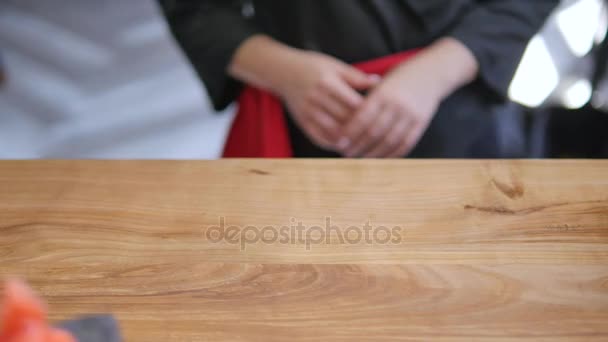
(578, 94)
(579, 24)
(536, 77)
(603, 27)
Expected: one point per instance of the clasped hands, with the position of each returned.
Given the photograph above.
(324, 96)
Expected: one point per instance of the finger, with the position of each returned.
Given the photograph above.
(317, 127)
(374, 134)
(393, 140)
(342, 91)
(359, 80)
(360, 122)
(414, 137)
(330, 105)
(325, 128)
(318, 137)
(409, 143)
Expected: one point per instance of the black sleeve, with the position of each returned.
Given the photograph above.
(497, 32)
(209, 32)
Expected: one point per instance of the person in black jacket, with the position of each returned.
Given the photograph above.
(448, 101)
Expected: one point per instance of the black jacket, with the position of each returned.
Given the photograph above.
(496, 31)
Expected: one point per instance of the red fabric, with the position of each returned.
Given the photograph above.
(260, 129)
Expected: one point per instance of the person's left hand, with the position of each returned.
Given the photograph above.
(397, 112)
(393, 117)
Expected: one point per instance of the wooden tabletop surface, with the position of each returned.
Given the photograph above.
(415, 250)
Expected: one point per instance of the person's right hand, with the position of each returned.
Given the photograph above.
(320, 91)
(321, 94)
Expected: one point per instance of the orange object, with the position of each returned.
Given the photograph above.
(23, 317)
(260, 128)
(57, 335)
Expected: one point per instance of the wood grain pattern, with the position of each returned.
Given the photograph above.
(491, 250)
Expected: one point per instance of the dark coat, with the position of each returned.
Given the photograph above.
(496, 31)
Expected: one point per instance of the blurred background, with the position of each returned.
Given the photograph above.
(105, 79)
(99, 79)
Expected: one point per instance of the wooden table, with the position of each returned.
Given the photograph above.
(488, 249)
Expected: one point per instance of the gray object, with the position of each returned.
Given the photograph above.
(94, 329)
